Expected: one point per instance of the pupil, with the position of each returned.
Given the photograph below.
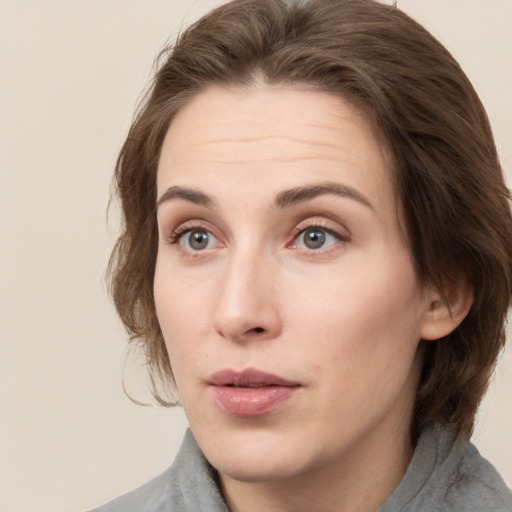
(314, 239)
(198, 240)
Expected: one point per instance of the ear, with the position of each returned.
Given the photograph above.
(447, 308)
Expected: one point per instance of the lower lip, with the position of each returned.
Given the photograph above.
(251, 401)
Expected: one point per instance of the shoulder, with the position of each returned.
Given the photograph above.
(475, 485)
(152, 496)
(447, 474)
(189, 485)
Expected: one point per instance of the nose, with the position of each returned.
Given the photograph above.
(248, 305)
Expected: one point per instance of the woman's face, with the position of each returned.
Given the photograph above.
(284, 289)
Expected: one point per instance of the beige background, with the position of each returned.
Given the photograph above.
(70, 75)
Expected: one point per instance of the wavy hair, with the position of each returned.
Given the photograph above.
(445, 168)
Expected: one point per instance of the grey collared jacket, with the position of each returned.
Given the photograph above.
(443, 476)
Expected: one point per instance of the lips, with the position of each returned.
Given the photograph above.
(250, 392)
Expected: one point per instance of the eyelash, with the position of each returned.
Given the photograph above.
(319, 227)
(181, 231)
(177, 234)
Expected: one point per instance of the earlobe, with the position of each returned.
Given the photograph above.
(447, 308)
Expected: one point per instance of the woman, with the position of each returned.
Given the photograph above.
(316, 259)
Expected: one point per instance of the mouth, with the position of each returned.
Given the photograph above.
(250, 392)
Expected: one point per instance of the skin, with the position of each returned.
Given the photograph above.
(342, 320)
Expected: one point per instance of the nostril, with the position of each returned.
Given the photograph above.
(258, 329)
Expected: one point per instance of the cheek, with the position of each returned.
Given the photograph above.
(178, 296)
(361, 349)
(369, 320)
(182, 314)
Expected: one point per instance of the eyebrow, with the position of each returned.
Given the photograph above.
(297, 195)
(284, 199)
(187, 194)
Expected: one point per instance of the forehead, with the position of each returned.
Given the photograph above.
(279, 137)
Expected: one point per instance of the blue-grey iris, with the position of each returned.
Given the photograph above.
(314, 238)
(198, 240)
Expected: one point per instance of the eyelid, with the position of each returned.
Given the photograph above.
(179, 239)
(339, 229)
(172, 235)
(341, 235)
(329, 232)
(320, 227)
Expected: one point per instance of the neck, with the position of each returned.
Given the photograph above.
(360, 483)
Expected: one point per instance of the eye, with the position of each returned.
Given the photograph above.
(314, 238)
(196, 239)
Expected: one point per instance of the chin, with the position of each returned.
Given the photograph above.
(248, 467)
(256, 456)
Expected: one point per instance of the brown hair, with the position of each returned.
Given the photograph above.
(445, 167)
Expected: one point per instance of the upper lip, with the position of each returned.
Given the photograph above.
(248, 378)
